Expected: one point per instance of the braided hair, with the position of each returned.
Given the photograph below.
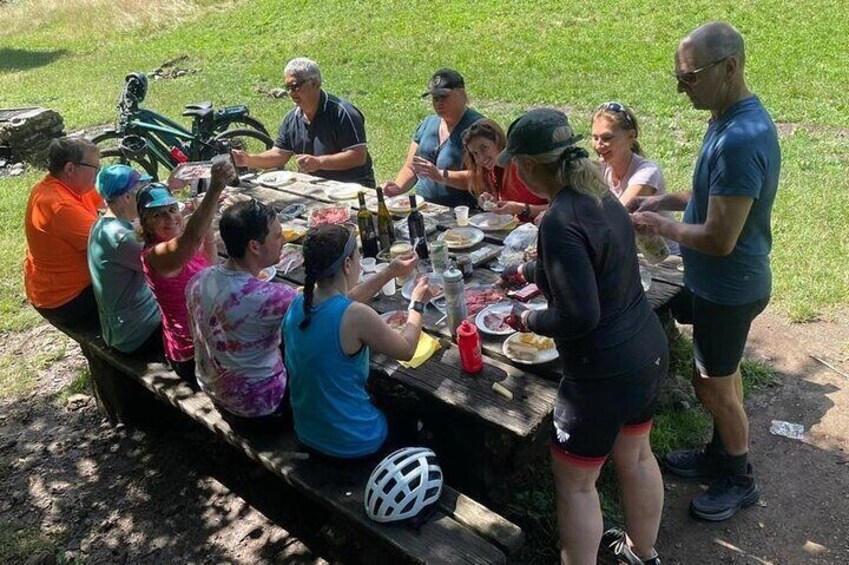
(323, 246)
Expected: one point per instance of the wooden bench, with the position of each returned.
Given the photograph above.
(460, 530)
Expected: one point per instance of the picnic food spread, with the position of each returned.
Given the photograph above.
(530, 348)
(329, 216)
(395, 320)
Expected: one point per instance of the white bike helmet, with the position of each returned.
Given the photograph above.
(403, 484)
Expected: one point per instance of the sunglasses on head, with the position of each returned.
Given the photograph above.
(617, 107)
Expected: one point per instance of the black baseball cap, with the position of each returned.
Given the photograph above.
(537, 131)
(444, 81)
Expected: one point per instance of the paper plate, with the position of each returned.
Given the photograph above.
(267, 273)
(461, 238)
(291, 257)
(502, 308)
(542, 356)
(433, 280)
(490, 221)
(276, 178)
(400, 205)
(343, 191)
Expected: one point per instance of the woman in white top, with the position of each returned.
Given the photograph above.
(621, 162)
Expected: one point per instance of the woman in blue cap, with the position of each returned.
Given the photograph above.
(173, 254)
(613, 348)
(129, 315)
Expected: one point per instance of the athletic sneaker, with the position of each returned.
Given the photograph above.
(725, 496)
(694, 463)
(614, 541)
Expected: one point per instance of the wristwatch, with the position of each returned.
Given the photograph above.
(445, 173)
(417, 306)
(525, 214)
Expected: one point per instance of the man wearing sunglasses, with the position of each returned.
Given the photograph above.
(725, 242)
(325, 134)
(60, 212)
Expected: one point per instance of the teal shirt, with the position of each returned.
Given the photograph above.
(331, 409)
(128, 311)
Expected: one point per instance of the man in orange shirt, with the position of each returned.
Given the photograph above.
(60, 212)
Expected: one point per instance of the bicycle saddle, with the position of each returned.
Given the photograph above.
(198, 106)
(198, 112)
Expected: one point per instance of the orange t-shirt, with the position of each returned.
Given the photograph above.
(57, 224)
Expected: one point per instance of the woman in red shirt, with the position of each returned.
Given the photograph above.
(482, 142)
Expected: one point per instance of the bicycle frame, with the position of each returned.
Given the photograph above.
(163, 133)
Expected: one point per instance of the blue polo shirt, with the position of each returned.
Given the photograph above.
(740, 156)
(448, 155)
(336, 127)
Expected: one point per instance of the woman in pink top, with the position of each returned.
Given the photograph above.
(173, 254)
(621, 161)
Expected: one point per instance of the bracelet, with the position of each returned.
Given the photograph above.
(445, 174)
(417, 306)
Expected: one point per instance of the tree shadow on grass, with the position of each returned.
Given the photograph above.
(25, 59)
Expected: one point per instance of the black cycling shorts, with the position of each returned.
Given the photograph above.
(590, 413)
(719, 331)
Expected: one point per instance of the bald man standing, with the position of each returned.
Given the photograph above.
(725, 242)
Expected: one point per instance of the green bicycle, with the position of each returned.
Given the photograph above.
(148, 139)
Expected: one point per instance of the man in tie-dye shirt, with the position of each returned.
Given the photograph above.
(236, 317)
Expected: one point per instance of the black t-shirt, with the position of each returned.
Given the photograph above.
(337, 126)
(587, 269)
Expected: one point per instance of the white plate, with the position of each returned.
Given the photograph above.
(542, 356)
(387, 315)
(433, 279)
(267, 273)
(400, 205)
(500, 308)
(472, 235)
(276, 178)
(343, 191)
(490, 221)
(291, 257)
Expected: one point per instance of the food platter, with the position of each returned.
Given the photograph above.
(192, 171)
(529, 349)
(267, 274)
(329, 215)
(397, 319)
(400, 205)
(276, 179)
(490, 221)
(435, 282)
(461, 238)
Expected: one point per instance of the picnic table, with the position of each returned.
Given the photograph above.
(485, 441)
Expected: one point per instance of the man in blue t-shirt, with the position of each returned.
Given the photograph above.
(326, 134)
(725, 243)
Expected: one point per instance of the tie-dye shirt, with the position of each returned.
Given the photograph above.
(236, 325)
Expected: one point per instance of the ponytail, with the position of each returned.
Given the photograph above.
(309, 288)
(637, 148)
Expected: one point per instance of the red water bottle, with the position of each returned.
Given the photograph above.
(178, 154)
(469, 342)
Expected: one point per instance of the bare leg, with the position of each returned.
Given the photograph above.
(641, 487)
(578, 512)
(720, 397)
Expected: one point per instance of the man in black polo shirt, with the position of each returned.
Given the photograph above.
(326, 134)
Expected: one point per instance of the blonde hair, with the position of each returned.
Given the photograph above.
(571, 168)
(624, 120)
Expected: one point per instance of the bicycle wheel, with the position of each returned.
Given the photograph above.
(245, 122)
(107, 140)
(248, 140)
(115, 157)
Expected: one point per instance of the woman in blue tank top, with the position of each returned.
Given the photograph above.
(329, 332)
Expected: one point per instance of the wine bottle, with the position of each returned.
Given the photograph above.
(365, 223)
(416, 225)
(385, 227)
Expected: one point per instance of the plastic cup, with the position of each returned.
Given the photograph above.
(389, 287)
(400, 249)
(368, 264)
(461, 213)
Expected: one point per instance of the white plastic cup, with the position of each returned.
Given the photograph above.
(368, 264)
(389, 287)
(461, 213)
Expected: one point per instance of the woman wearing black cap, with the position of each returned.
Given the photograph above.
(435, 156)
(613, 347)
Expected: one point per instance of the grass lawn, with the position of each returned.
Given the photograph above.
(513, 54)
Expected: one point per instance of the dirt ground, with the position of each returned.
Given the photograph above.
(169, 495)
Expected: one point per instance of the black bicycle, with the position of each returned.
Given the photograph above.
(149, 139)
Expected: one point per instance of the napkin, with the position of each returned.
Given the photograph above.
(427, 346)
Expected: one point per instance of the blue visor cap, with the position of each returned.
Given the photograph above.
(154, 195)
(116, 180)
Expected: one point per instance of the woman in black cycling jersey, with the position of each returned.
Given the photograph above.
(613, 348)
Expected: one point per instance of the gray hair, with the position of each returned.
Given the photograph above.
(579, 174)
(303, 69)
(718, 40)
(67, 150)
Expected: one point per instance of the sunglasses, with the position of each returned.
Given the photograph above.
(691, 77)
(95, 167)
(618, 108)
(291, 87)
